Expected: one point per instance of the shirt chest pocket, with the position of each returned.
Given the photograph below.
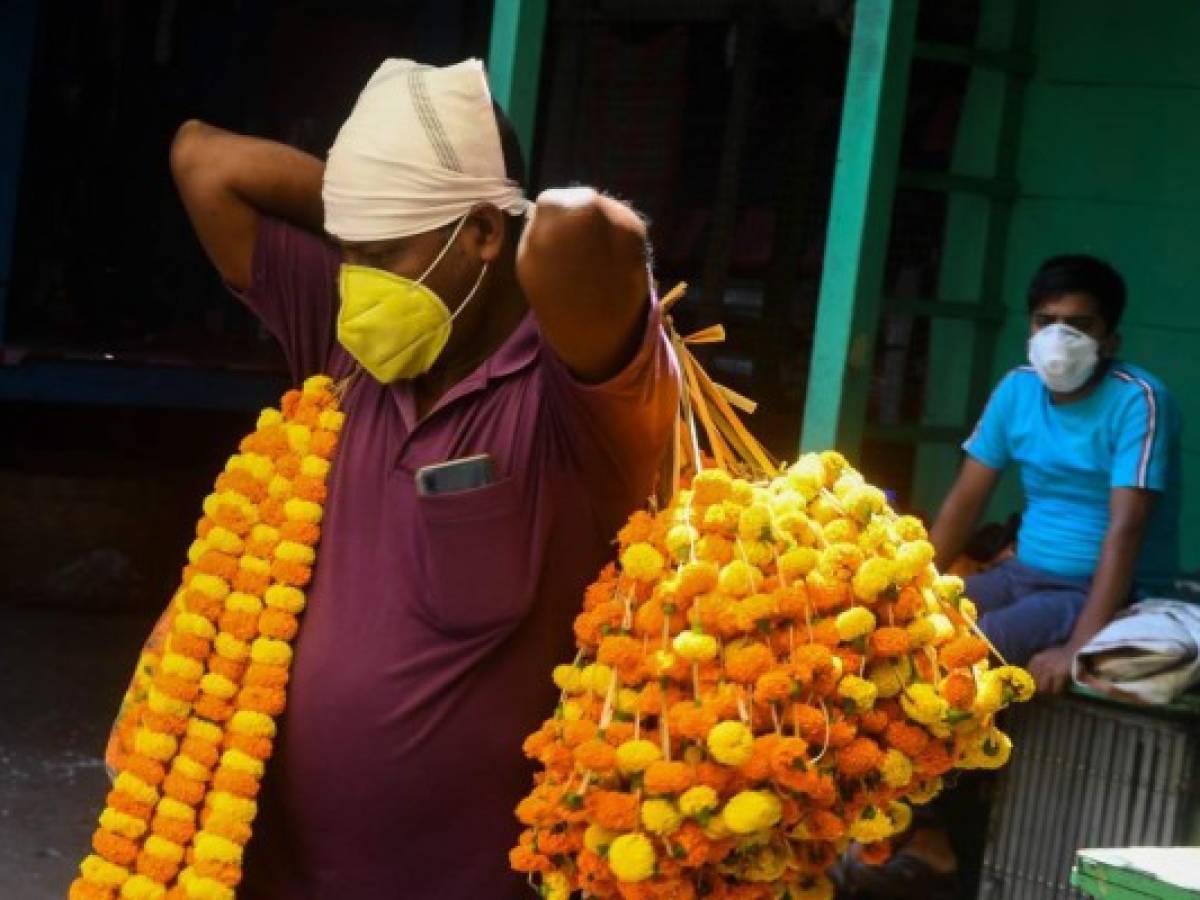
(479, 558)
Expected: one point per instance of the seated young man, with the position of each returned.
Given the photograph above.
(1097, 443)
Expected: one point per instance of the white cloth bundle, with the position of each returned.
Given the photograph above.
(419, 150)
(1151, 652)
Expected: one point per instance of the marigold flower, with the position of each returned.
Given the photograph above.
(962, 652)
(888, 642)
(745, 663)
(631, 858)
(959, 689)
(596, 756)
(662, 777)
(913, 558)
(730, 743)
(738, 578)
(859, 757)
(751, 811)
(614, 810)
(858, 691)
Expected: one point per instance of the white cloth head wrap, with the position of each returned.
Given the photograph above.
(420, 149)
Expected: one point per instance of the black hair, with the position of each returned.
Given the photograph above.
(1080, 274)
(510, 145)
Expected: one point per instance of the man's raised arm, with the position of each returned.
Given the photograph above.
(227, 181)
(582, 266)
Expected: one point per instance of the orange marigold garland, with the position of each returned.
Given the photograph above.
(196, 729)
(775, 670)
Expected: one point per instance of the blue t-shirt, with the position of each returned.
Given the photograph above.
(1124, 434)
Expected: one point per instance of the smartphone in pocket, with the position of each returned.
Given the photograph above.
(456, 475)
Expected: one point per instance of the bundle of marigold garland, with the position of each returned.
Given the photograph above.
(192, 742)
(774, 670)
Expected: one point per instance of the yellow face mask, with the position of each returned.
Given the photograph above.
(395, 327)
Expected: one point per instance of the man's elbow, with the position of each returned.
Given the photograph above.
(188, 150)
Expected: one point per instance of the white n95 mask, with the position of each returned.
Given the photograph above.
(1064, 357)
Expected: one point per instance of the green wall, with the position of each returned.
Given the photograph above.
(1108, 162)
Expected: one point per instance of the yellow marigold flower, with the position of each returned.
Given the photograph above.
(175, 809)
(556, 886)
(896, 769)
(285, 597)
(255, 564)
(751, 811)
(710, 486)
(230, 647)
(631, 857)
(261, 467)
(840, 560)
(695, 646)
(754, 610)
(223, 539)
(122, 823)
(798, 562)
(279, 487)
(237, 808)
(742, 492)
(795, 524)
(991, 751)
(967, 609)
(204, 731)
(716, 829)
(189, 768)
(627, 701)
(156, 746)
(922, 703)
(255, 724)
(1018, 681)
(854, 623)
(166, 704)
(596, 678)
(303, 511)
(660, 816)
(925, 791)
(242, 762)
(269, 417)
(142, 887)
(871, 826)
(989, 697)
(196, 550)
(721, 517)
(698, 801)
(859, 691)
(824, 510)
(197, 888)
(873, 577)
(101, 871)
(298, 437)
(572, 711)
(948, 587)
(913, 558)
(181, 666)
(807, 476)
(215, 847)
(910, 528)
(268, 651)
(680, 540)
(642, 562)
(759, 553)
(738, 578)
(901, 815)
(331, 420)
(754, 523)
(242, 602)
(635, 756)
(890, 676)
(316, 384)
(210, 585)
(157, 845)
(864, 501)
(566, 678)
(314, 467)
(294, 552)
(135, 788)
(930, 630)
(597, 839)
(841, 531)
(714, 548)
(730, 742)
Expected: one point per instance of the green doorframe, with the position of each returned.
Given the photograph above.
(515, 62)
(859, 224)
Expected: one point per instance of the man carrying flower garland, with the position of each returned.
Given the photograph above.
(462, 321)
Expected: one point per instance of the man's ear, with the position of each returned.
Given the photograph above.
(486, 232)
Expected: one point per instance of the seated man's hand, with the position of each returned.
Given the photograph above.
(1051, 669)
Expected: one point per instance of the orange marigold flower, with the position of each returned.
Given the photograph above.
(242, 625)
(203, 605)
(827, 595)
(271, 511)
(851, 661)
(164, 723)
(613, 810)
(278, 624)
(175, 830)
(230, 829)
(638, 528)
(307, 488)
(690, 720)
(860, 756)
(623, 653)
(712, 774)
(596, 756)
(266, 675)
(963, 651)
(825, 632)
(201, 751)
(841, 733)
(810, 722)
(598, 592)
(594, 875)
(689, 845)
(229, 516)
(824, 825)
(909, 739)
(161, 870)
(746, 663)
(288, 466)
(648, 620)
(293, 573)
(758, 766)
(122, 802)
(214, 562)
(237, 783)
(173, 685)
(185, 790)
(149, 770)
(300, 532)
(889, 642)
(290, 403)
(226, 873)
(909, 604)
(933, 760)
(873, 721)
(959, 689)
(242, 482)
(664, 777)
(116, 848)
(924, 666)
(213, 708)
(792, 601)
(577, 731)
(229, 668)
(618, 732)
(262, 699)
(773, 687)
(251, 745)
(323, 444)
(536, 810)
(788, 761)
(190, 645)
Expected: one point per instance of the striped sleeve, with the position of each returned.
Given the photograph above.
(1141, 438)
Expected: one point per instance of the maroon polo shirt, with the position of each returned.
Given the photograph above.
(433, 623)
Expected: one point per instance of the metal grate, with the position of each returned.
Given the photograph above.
(1087, 774)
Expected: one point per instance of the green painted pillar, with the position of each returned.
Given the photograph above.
(859, 224)
(515, 62)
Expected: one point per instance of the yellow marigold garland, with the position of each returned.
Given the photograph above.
(773, 670)
(197, 728)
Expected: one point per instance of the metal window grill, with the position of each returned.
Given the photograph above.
(1087, 773)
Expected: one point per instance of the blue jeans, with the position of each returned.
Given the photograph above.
(1024, 610)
